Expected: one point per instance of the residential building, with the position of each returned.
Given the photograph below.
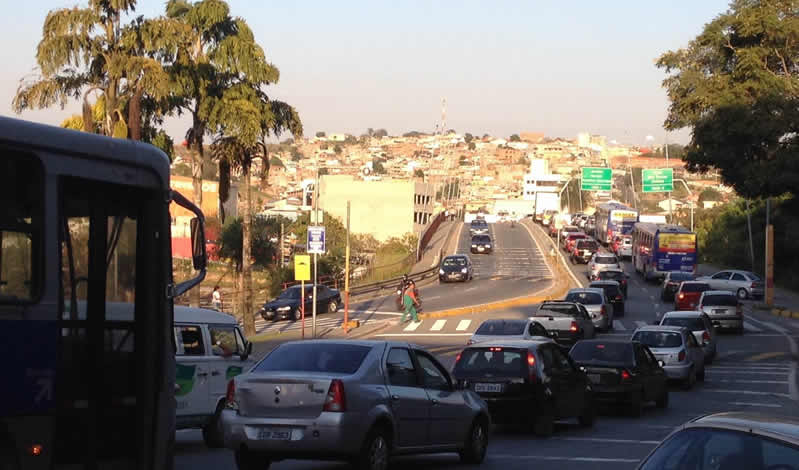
(542, 187)
(532, 137)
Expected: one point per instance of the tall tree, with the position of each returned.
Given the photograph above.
(735, 85)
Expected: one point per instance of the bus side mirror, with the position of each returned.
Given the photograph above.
(198, 258)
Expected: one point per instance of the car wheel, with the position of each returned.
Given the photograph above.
(689, 382)
(544, 426)
(742, 294)
(332, 307)
(375, 452)
(249, 460)
(663, 401)
(476, 445)
(637, 405)
(212, 431)
(588, 417)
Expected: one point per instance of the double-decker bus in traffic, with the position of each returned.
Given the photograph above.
(661, 248)
(614, 218)
(85, 225)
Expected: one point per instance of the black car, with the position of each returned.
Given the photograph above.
(287, 304)
(526, 382)
(455, 268)
(622, 372)
(584, 250)
(481, 244)
(671, 283)
(615, 275)
(614, 293)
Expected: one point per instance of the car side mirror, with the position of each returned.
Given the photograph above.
(197, 244)
(247, 351)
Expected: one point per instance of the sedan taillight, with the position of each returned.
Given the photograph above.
(230, 396)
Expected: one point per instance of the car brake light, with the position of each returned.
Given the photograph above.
(681, 296)
(573, 328)
(618, 297)
(681, 356)
(754, 284)
(335, 401)
(469, 342)
(457, 358)
(230, 396)
(705, 337)
(625, 375)
(530, 358)
(602, 311)
(495, 349)
(531, 363)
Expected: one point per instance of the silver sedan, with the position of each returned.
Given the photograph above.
(676, 347)
(359, 401)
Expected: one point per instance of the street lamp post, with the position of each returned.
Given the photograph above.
(690, 193)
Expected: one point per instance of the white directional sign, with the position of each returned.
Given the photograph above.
(316, 240)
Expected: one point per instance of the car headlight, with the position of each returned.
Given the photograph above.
(474, 246)
(284, 309)
(464, 270)
(488, 246)
(441, 271)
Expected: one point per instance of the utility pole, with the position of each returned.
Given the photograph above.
(347, 273)
(769, 256)
(282, 247)
(671, 216)
(749, 226)
(632, 181)
(315, 255)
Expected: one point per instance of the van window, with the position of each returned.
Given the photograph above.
(189, 339)
(223, 340)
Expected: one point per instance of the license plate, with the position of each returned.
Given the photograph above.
(719, 310)
(594, 378)
(554, 334)
(491, 388)
(274, 434)
(480, 249)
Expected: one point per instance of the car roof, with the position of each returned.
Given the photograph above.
(612, 270)
(758, 423)
(667, 328)
(595, 290)
(511, 343)
(694, 282)
(504, 320)
(718, 292)
(456, 256)
(605, 341)
(684, 314)
(605, 282)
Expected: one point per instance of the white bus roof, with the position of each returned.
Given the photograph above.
(123, 311)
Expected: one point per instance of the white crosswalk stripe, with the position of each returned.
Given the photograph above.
(412, 326)
(617, 325)
(463, 325)
(438, 325)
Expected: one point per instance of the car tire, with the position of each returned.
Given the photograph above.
(375, 452)
(249, 460)
(689, 381)
(476, 445)
(544, 425)
(587, 418)
(742, 294)
(332, 307)
(294, 315)
(212, 431)
(636, 405)
(663, 401)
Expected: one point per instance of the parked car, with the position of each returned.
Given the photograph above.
(478, 227)
(622, 372)
(287, 304)
(731, 440)
(566, 322)
(482, 244)
(597, 304)
(600, 262)
(498, 329)
(687, 295)
(456, 268)
(683, 358)
(614, 294)
(361, 401)
(745, 284)
(723, 308)
(583, 250)
(671, 283)
(526, 382)
(615, 275)
(700, 325)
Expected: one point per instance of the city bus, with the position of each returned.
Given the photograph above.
(86, 224)
(661, 248)
(614, 218)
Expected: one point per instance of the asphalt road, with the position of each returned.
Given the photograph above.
(753, 372)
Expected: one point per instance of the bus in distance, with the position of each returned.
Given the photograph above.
(661, 248)
(614, 218)
(86, 225)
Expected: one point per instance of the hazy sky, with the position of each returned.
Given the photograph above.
(504, 66)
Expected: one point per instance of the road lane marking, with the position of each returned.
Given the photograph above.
(470, 289)
(618, 325)
(382, 335)
(734, 381)
(740, 372)
(556, 457)
(764, 405)
(433, 297)
(640, 323)
(438, 325)
(463, 325)
(750, 327)
(765, 355)
(775, 327)
(602, 439)
(746, 392)
(412, 326)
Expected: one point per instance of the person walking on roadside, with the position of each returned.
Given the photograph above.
(410, 302)
(216, 299)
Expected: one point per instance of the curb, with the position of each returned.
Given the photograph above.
(784, 312)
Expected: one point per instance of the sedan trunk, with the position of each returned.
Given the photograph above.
(270, 396)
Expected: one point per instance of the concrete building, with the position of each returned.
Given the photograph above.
(542, 187)
(382, 208)
(583, 139)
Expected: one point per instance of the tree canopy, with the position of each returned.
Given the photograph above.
(736, 85)
(320, 134)
(515, 138)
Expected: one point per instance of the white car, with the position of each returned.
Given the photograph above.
(745, 284)
(508, 329)
(601, 262)
(699, 324)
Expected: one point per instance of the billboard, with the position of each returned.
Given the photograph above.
(622, 215)
(677, 242)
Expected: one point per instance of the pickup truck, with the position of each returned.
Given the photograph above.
(567, 322)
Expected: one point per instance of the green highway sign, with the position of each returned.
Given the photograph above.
(658, 181)
(596, 179)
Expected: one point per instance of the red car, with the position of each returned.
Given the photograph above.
(618, 240)
(570, 239)
(687, 296)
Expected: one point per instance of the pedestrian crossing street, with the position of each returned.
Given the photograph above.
(466, 327)
(322, 322)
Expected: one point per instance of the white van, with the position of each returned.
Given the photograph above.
(211, 350)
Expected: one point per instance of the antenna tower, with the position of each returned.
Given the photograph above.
(443, 116)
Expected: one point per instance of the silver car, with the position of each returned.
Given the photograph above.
(745, 284)
(360, 401)
(676, 347)
(699, 324)
(723, 308)
(600, 262)
(498, 329)
(597, 304)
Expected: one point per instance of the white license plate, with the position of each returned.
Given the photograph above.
(491, 388)
(594, 378)
(274, 434)
(719, 310)
(480, 249)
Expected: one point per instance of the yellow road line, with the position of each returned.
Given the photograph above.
(766, 355)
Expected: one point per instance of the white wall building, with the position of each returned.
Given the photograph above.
(542, 187)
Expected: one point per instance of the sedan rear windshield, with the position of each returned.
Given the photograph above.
(606, 260)
(565, 309)
(610, 352)
(720, 300)
(693, 324)
(501, 328)
(694, 287)
(658, 339)
(587, 245)
(491, 360)
(585, 298)
(611, 275)
(335, 358)
(610, 290)
(481, 239)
